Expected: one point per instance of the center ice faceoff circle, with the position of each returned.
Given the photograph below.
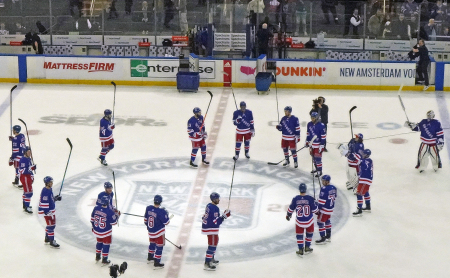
(257, 228)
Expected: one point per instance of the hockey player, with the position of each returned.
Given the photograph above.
(290, 130)
(316, 128)
(354, 146)
(110, 194)
(156, 218)
(26, 168)
(102, 219)
(18, 145)
(197, 135)
(245, 129)
(47, 208)
(106, 136)
(432, 137)
(327, 199)
(365, 165)
(211, 222)
(305, 208)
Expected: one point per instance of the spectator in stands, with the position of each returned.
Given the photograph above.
(273, 10)
(425, 14)
(430, 29)
(169, 12)
(3, 30)
(327, 7)
(445, 36)
(439, 11)
(401, 29)
(112, 10)
(128, 5)
(37, 45)
(264, 36)
(374, 6)
(410, 8)
(375, 23)
(41, 28)
(255, 7)
(387, 30)
(78, 4)
(424, 60)
(300, 18)
(355, 21)
(349, 8)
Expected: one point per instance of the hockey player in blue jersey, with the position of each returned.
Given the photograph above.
(26, 168)
(106, 136)
(432, 137)
(102, 220)
(18, 145)
(197, 135)
(156, 218)
(110, 194)
(290, 130)
(316, 128)
(47, 209)
(211, 222)
(326, 202)
(354, 146)
(304, 207)
(365, 174)
(245, 129)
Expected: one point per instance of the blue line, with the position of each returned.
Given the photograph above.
(5, 105)
(445, 118)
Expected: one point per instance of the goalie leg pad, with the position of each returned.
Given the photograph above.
(424, 153)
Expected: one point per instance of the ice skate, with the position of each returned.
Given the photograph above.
(54, 244)
(206, 162)
(46, 240)
(209, 266)
(157, 265)
(150, 258)
(358, 213)
(193, 165)
(286, 163)
(97, 257)
(295, 164)
(214, 262)
(105, 261)
(321, 241)
(328, 237)
(102, 161)
(366, 209)
(28, 210)
(308, 250)
(299, 253)
(235, 158)
(247, 155)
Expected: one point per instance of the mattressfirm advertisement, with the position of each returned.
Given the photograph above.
(168, 68)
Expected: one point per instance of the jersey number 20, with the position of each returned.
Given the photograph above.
(303, 211)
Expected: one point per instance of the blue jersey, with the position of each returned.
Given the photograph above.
(354, 147)
(106, 128)
(305, 207)
(110, 196)
(211, 220)
(18, 145)
(156, 220)
(365, 168)
(317, 129)
(430, 130)
(46, 201)
(193, 128)
(327, 199)
(290, 127)
(246, 123)
(102, 220)
(25, 166)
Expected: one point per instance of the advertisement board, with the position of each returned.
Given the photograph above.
(9, 68)
(77, 40)
(167, 68)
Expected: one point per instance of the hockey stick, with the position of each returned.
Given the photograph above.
(67, 165)
(231, 86)
(115, 192)
(114, 103)
(10, 107)
(179, 247)
(276, 163)
(351, 123)
(312, 173)
(29, 143)
(276, 94)
(231, 188)
(401, 102)
(204, 118)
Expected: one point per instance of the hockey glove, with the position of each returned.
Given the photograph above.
(11, 138)
(58, 198)
(118, 214)
(297, 138)
(165, 210)
(239, 119)
(11, 161)
(226, 214)
(321, 148)
(49, 214)
(440, 144)
(288, 217)
(112, 126)
(253, 132)
(278, 127)
(307, 144)
(33, 167)
(205, 135)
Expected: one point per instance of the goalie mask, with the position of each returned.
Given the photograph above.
(430, 115)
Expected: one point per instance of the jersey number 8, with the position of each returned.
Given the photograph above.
(151, 222)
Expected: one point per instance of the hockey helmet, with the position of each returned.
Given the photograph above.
(314, 115)
(288, 108)
(107, 112)
(108, 185)
(359, 135)
(326, 177)
(158, 199)
(367, 152)
(105, 200)
(302, 188)
(322, 98)
(430, 115)
(48, 179)
(196, 110)
(242, 104)
(214, 196)
(26, 149)
(17, 128)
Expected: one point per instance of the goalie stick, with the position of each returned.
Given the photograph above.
(10, 108)
(67, 165)
(351, 123)
(401, 102)
(204, 118)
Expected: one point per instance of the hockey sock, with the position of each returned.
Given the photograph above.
(360, 200)
(321, 229)
(26, 197)
(238, 148)
(105, 250)
(300, 241)
(151, 249)
(318, 161)
(203, 152)
(367, 198)
(193, 154)
(328, 227)
(17, 172)
(103, 152)
(50, 232)
(308, 239)
(98, 247)
(247, 146)
(158, 253)
(286, 153)
(210, 253)
(294, 154)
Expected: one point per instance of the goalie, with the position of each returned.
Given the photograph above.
(432, 141)
(354, 146)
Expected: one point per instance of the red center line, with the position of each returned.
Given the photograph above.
(196, 195)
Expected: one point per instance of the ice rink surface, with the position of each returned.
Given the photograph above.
(404, 236)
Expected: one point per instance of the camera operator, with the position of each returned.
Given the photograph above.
(320, 107)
